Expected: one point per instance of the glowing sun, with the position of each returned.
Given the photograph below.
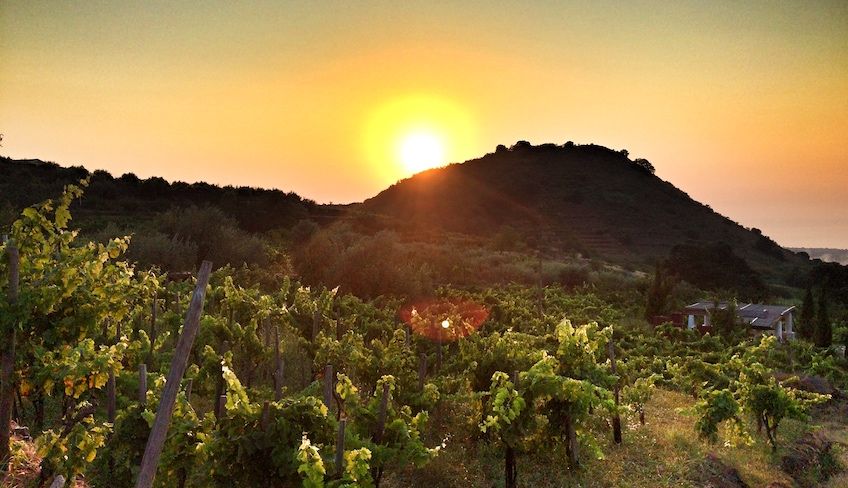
(412, 133)
(421, 150)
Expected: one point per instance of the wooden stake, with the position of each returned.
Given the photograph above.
(616, 419)
(153, 312)
(142, 384)
(179, 362)
(381, 415)
(266, 416)
(422, 370)
(316, 323)
(278, 372)
(329, 383)
(340, 443)
(111, 394)
(7, 360)
(222, 406)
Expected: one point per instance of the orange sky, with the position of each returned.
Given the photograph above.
(743, 107)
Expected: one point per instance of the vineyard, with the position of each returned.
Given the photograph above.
(129, 377)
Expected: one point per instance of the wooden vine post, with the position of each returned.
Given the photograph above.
(154, 311)
(616, 419)
(156, 440)
(316, 323)
(422, 370)
(7, 361)
(340, 446)
(265, 420)
(221, 407)
(540, 291)
(142, 384)
(111, 395)
(328, 386)
(278, 371)
(380, 429)
(571, 441)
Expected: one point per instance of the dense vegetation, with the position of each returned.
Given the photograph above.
(291, 384)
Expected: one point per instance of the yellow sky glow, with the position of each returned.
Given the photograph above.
(417, 132)
(743, 106)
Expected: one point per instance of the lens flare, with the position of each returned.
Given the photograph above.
(444, 320)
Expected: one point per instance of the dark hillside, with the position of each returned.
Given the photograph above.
(584, 198)
(128, 200)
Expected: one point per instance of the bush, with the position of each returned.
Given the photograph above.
(215, 235)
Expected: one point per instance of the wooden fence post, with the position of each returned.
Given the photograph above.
(189, 384)
(278, 371)
(222, 406)
(329, 383)
(571, 442)
(316, 323)
(266, 416)
(179, 362)
(540, 294)
(7, 360)
(381, 415)
(616, 419)
(422, 370)
(340, 443)
(111, 395)
(154, 311)
(142, 384)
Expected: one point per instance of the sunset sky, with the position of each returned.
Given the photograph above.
(743, 106)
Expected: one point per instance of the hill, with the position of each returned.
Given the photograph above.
(555, 200)
(584, 198)
(128, 200)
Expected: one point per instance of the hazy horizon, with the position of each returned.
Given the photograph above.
(744, 107)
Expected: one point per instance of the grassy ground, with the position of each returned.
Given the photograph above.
(664, 453)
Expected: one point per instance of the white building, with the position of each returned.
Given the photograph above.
(764, 319)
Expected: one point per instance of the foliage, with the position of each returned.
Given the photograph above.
(638, 394)
(716, 267)
(823, 335)
(659, 293)
(807, 320)
(717, 407)
(521, 378)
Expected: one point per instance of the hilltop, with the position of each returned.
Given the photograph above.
(584, 198)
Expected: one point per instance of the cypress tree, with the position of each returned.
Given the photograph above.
(824, 332)
(807, 320)
(659, 293)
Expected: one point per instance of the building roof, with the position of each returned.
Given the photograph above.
(760, 316)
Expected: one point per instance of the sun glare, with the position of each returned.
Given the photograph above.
(420, 151)
(412, 133)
